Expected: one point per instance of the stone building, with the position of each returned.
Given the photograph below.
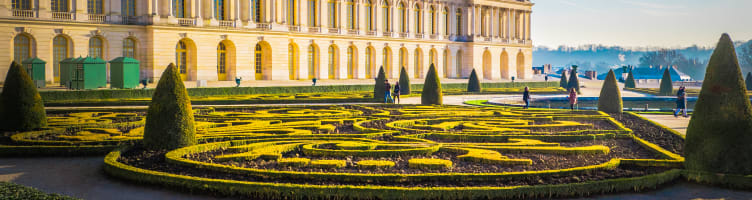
(276, 39)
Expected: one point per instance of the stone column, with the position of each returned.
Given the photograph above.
(80, 10)
(44, 8)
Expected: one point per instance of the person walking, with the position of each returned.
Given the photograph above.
(396, 93)
(681, 105)
(572, 98)
(237, 81)
(314, 81)
(388, 90)
(526, 97)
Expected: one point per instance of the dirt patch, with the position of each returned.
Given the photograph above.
(652, 133)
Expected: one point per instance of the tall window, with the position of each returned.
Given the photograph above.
(291, 56)
(129, 48)
(181, 57)
(60, 5)
(483, 22)
(312, 10)
(178, 8)
(257, 61)
(418, 63)
(21, 48)
(292, 12)
(432, 14)
(312, 69)
(350, 63)
(432, 57)
(402, 58)
(59, 53)
(219, 9)
(21, 4)
(128, 7)
(95, 6)
(221, 59)
(459, 64)
(445, 13)
(418, 19)
(351, 14)
(95, 47)
(333, 62)
(369, 63)
(387, 62)
(446, 63)
(369, 12)
(458, 15)
(257, 11)
(387, 16)
(401, 18)
(333, 13)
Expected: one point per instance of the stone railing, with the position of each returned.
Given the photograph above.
(387, 34)
(487, 39)
(353, 31)
(63, 16)
(403, 35)
(130, 20)
(226, 23)
(314, 29)
(334, 30)
(186, 21)
(263, 26)
(371, 33)
(24, 13)
(97, 18)
(419, 35)
(434, 36)
(294, 28)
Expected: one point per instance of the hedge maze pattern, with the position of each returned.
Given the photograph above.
(376, 151)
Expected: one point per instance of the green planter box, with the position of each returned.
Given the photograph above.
(66, 71)
(124, 73)
(89, 73)
(35, 69)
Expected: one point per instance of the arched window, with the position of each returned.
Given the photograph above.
(62, 5)
(432, 14)
(350, 63)
(333, 11)
(178, 8)
(313, 19)
(333, 62)
(312, 62)
(459, 64)
(129, 48)
(128, 7)
(432, 57)
(387, 62)
(292, 57)
(95, 6)
(401, 17)
(369, 15)
(96, 47)
(292, 12)
(222, 62)
(403, 58)
(369, 62)
(458, 14)
(387, 16)
(21, 48)
(181, 58)
(446, 63)
(257, 11)
(351, 17)
(219, 10)
(445, 13)
(59, 53)
(257, 56)
(21, 4)
(418, 19)
(418, 63)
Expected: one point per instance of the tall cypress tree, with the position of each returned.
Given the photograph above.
(431, 94)
(563, 82)
(21, 107)
(169, 120)
(630, 82)
(473, 84)
(378, 87)
(609, 100)
(404, 82)
(573, 82)
(667, 88)
(720, 132)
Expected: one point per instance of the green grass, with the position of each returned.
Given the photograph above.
(15, 191)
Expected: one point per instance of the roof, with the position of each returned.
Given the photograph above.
(124, 60)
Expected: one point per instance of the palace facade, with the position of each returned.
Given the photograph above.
(276, 39)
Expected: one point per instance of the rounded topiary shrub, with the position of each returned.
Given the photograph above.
(748, 81)
(667, 88)
(431, 93)
(404, 82)
(378, 88)
(563, 82)
(630, 82)
(719, 136)
(21, 107)
(573, 82)
(609, 100)
(169, 120)
(473, 84)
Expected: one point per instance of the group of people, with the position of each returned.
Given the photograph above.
(393, 95)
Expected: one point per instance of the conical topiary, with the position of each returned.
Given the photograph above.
(404, 82)
(610, 99)
(431, 94)
(378, 88)
(667, 88)
(563, 82)
(748, 81)
(573, 82)
(169, 121)
(720, 132)
(21, 107)
(630, 82)
(473, 84)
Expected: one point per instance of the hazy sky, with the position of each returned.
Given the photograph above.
(638, 23)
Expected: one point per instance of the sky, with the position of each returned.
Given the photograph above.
(640, 23)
